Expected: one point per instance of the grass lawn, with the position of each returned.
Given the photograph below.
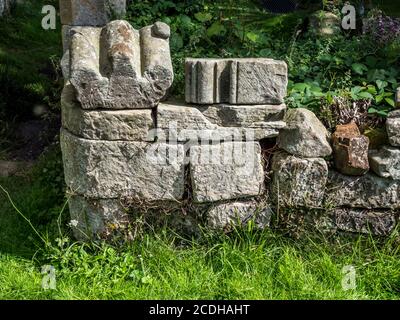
(244, 265)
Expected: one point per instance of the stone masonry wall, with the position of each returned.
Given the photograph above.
(127, 151)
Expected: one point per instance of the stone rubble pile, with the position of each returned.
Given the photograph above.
(123, 144)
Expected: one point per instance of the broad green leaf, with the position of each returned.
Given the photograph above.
(203, 16)
(216, 29)
(390, 101)
(359, 68)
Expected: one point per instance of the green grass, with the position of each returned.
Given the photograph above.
(161, 265)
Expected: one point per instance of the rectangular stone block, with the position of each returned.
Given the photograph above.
(298, 182)
(368, 191)
(91, 12)
(225, 171)
(125, 125)
(113, 169)
(178, 122)
(393, 128)
(235, 81)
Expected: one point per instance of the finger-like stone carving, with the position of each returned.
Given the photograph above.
(118, 67)
(235, 81)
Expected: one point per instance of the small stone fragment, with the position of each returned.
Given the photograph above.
(386, 162)
(393, 128)
(224, 216)
(304, 135)
(350, 150)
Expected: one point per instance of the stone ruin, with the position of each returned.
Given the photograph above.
(206, 161)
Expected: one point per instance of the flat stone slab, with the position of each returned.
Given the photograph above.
(225, 216)
(111, 125)
(93, 218)
(298, 182)
(113, 169)
(369, 191)
(393, 128)
(304, 135)
(386, 162)
(91, 12)
(179, 122)
(226, 171)
(118, 67)
(380, 223)
(235, 81)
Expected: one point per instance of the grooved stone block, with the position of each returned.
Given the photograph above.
(225, 171)
(368, 191)
(118, 67)
(298, 182)
(127, 125)
(177, 122)
(235, 81)
(91, 12)
(112, 169)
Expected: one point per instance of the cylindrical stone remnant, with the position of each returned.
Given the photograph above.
(205, 82)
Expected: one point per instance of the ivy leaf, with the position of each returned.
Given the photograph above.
(359, 68)
(216, 29)
(390, 102)
(253, 37)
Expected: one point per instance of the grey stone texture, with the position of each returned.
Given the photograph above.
(369, 191)
(393, 128)
(91, 12)
(298, 182)
(304, 135)
(93, 218)
(226, 171)
(5, 6)
(386, 162)
(111, 125)
(108, 63)
(112, 169)
(225, 216)
(379, 223)
(179, 122)
(235, 81)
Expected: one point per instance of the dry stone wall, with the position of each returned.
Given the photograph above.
(126, 151)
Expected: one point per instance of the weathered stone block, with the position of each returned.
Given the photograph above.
(374, 222)
(224, 216)
(126, 125)
(91, 218)
(298, 182)
(112, 169)
(177, 122)
(235, 81)
(368, 191)
(91, 12)
(118, 67)
(393, 128)
(386, 162)
(226, 171)
(304, 135)
(350, 150)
